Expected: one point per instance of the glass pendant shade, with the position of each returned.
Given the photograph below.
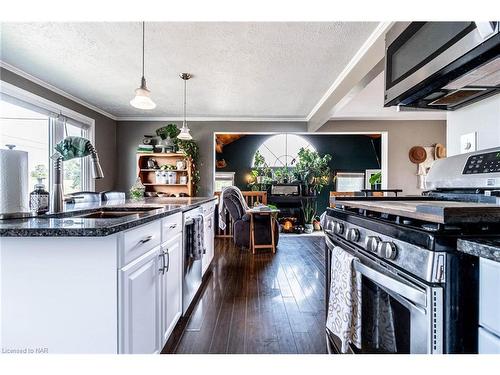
(184, 134)
(142, 99)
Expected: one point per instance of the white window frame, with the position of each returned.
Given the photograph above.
(224, 176)
(55, 135)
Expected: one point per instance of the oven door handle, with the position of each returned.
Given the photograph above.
(411, 294)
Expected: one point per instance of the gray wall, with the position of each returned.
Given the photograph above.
(130, 134)
(482, 117)
(105, 128)
(402, 135)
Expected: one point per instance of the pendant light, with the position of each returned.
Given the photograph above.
(184, 134)
(142, 98)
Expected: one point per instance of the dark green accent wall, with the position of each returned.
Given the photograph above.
(350, 153)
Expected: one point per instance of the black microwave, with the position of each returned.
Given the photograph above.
(441, 65)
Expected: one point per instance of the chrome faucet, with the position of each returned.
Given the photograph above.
(65, 150)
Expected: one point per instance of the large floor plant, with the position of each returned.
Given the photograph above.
(313, 170)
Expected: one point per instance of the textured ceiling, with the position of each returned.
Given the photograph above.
(240, 69)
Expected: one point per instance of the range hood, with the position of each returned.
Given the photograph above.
(441, 65)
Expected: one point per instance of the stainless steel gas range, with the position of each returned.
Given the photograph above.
(405, 252)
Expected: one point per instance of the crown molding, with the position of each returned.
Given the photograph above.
(212, 119)
(54, 89)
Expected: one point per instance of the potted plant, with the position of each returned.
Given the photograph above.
(313, 170)
(309, 211)
(282, 175)
(376, 181)
(168, 134)
(261, 170)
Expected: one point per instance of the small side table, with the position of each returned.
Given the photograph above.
(269, 213)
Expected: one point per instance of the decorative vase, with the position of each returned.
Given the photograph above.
(180, 164)
(309, 228)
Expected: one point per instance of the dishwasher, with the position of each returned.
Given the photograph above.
(192, 273)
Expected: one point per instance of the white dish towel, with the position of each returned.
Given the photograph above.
(344, 306)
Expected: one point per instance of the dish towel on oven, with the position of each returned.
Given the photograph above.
(344, 306)
(198, 245)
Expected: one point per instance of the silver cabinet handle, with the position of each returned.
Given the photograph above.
(147, 239)
(172, 226)
(168, 260)
(162, 268)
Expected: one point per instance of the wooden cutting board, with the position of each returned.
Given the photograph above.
(443, 212)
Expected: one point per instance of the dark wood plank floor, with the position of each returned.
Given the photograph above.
(263, 303)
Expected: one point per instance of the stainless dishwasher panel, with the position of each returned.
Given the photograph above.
(192, 274)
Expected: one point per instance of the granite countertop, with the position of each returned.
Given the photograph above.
(68, 225)
(488, 248)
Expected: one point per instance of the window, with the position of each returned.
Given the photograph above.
(223, 180)
(36, 125)
(347, 182)
(282, 149)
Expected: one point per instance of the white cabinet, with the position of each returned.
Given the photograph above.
(489, 295)
(209, 233)
(140, 305)
(171, 286)
(488, 343)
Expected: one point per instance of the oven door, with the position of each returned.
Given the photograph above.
(399, 313)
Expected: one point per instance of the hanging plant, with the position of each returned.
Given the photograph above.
(169, 131)
(192, 151)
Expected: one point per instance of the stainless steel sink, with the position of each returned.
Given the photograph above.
(112, 213)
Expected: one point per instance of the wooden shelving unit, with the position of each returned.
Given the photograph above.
(148, 178)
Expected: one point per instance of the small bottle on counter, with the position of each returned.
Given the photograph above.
(39, 198)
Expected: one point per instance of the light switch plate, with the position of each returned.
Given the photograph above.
(468, 142)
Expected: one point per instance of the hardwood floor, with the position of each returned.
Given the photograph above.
(263, 303)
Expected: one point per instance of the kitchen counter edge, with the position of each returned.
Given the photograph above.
(483, 248)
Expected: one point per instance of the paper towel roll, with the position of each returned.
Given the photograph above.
(14, 196)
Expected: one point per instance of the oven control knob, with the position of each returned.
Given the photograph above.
(353, 235)
(372, 243)
(338, 228)
(387, 250)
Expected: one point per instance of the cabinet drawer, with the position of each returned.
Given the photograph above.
(489, 295)
(140, 240)
(170, 226)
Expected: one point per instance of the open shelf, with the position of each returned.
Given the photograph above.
(154, 170)
(155, 184)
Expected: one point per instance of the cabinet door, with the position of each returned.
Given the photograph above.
(209, 241)
(171, 286)
(140, 305)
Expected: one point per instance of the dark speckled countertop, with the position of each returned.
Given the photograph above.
(68, 225)
(488, 248)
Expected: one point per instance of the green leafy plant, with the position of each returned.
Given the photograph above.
(168, 131)
(309, 211)
(168, 167)
(376, 178)
(191, 150)
(312, 169)
(283, 174)
(261, 172)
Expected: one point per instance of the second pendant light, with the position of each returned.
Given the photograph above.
(184, 134)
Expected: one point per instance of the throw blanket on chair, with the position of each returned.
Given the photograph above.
(230, 190)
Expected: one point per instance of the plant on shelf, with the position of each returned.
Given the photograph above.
(168, 167)
(261, 173)
(313, 170)
(283, 175)
(376, 180)
(309, 211)
(191, 150)
(169, 131)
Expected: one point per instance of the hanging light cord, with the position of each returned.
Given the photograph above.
(143, 48)
(184, 124)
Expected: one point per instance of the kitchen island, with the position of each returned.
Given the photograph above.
(98, 278)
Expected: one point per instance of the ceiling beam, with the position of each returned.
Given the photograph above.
(366, 64)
